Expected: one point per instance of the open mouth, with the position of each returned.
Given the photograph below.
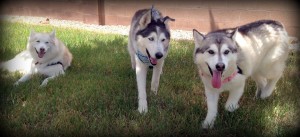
(41, 53)
(153, 61)
(216, 80)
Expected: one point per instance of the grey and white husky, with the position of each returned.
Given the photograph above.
(148, 46)
(225, 58)
(45, 54)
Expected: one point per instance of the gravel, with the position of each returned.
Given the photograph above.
(115, 29)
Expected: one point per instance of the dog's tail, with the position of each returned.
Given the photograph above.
(21, 63)
(213, 25)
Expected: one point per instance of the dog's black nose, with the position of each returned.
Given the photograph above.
(42, 49)
(220, 66)
(159, 55)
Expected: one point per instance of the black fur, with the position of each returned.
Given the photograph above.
(240, 70)
(228, 32)
(246, 28)
(220, 37)
(201, 50)
(152, 28)
(55, 64)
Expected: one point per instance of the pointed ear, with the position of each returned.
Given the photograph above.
(32, 33)
(52, 34)
(235, 34)
(198, 37)
(145, 20)
(167, 19)
(230, 32)
(152, 9)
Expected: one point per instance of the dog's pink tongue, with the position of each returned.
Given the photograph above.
(41, 54)
(216, 79)
(153, 61)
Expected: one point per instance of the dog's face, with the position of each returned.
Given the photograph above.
(153, 37)
(41, 43)
(214, 54)
(154, 45)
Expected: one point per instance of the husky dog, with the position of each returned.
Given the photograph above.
(148, 45)
(225, 58)
(45, 55)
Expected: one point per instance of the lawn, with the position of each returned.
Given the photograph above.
(98, 94)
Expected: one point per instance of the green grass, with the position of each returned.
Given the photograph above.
(98, 94)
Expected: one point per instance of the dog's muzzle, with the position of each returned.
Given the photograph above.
(216, 79)
(40, 53)
(153, 61)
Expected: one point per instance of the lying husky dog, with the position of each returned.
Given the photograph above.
(225, 58)
(148, 45)
(45, 55)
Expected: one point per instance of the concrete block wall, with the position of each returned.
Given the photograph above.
(189, 14)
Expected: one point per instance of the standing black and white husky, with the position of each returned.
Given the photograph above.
(225, 58)
(148, 45)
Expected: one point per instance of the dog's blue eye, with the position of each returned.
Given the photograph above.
(151, 38)
(226, 52)
(211, 52)
(47, 42)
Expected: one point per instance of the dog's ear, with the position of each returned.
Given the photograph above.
(167, 19)
(235, 34)
(198, 37)
(236, 37)
(52, 34)
(32, 33)
(145, 20)
(230, 32)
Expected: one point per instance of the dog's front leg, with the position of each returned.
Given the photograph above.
(212, 98)
(235, 94)
(156, 77)
(51, 71)
(141, 75)
(23, 79)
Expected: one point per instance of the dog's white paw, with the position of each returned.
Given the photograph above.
(265, 94)
(62, 72)
(207, 124)
(154, 88)
(143, 107)
(231, 107)
(44, 83)
(16, 83)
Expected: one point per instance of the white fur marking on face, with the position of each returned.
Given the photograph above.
(212, 59)
(225, 58)
(162, 43)
(151, 43)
